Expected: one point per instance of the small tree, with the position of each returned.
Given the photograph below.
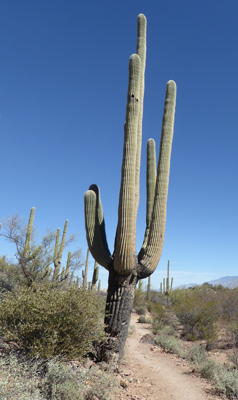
(33, 262)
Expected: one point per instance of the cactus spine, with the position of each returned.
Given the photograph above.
(124, 266)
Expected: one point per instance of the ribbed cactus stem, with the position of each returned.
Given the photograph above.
(163, 285)
(141, 51)
(99, 285)
(148, 289)
(125, 237)
(71, 278)
(68, 266)
(62, 274)
(167, 289)
(85, 277)
(95, 275)
(153, 250)
(29, 233)
(171, 286)
(58, 250)
(161, 290)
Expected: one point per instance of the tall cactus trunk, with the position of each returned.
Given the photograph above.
(119, 305)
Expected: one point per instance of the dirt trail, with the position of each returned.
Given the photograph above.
(149, 373)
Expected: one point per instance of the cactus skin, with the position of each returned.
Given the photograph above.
(124, 266)
(68, 266)
(26, 257)
(168, 289)
(58, 251)
(148, 289)
(85, 272)
(95, 275)
(99, 285)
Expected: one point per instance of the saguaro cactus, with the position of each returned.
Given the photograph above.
(124, 266)
(85, 271)
(58, 251)
(95, 275)
(167, 289)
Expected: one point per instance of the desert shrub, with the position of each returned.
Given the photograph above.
(156, 297)
(140, 296)
(169, 343)
(196, 354)
(228, 305)
(157, 325)
(8, 280)
(157, 311)
(207, 368)
(142, 319)
(226, 381)
(140, 310)
(197, 311)
(38, 379)
(49, 320)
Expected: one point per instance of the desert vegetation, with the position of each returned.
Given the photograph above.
(195, 323)
(49, 321)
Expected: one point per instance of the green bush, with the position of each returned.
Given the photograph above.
(196, 354)
(169, 343)
(36, 379)
(140, 297)
(140, 310)
(197, 311)
(226, 381)
(49, 320)
(142, 319)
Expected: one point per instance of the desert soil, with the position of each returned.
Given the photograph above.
(147, 372)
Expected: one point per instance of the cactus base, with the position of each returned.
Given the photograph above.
(119, 305)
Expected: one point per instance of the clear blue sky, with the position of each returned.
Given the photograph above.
(64, 77)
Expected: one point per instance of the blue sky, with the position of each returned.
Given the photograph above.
(64, 77)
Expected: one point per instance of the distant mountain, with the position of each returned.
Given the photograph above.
(186, 286)
(227, 281)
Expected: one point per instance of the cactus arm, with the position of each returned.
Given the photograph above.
(71, 278)
(35, 254)
(94, 235)
(29, 233)
(68, 265)
(124, 260)
(85, 275)
(56, 249)
(171, 285)
(141, 51)
(99, 285)
(100, 216)
(155, 243)
(95, 275)
(63, 240)
(167, 289)
(150, 189)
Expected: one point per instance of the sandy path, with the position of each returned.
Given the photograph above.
(149, 373)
